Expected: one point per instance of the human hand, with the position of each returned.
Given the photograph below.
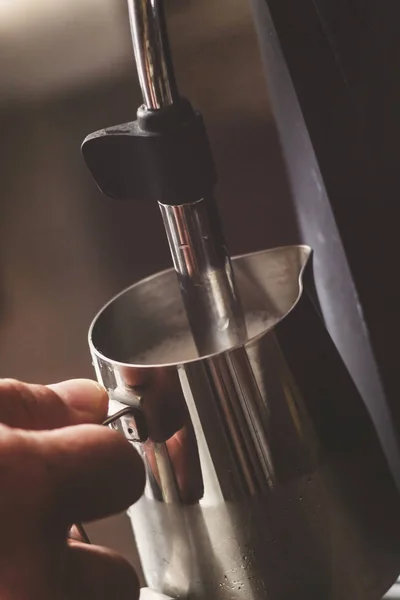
(56, 470)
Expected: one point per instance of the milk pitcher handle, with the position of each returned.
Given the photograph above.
(130, 421)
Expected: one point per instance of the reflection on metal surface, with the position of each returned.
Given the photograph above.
(152, 54)
(205, 275)
(394, 592)
(256, 487)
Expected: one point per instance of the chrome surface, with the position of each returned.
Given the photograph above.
(152, 53)
(394, 592)
(271, 488)
(114, 416)
(205, 275)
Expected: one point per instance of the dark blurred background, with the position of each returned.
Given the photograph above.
(66, 69)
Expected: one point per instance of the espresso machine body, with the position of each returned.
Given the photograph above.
(334, 89)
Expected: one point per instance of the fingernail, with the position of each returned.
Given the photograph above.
(83, 395)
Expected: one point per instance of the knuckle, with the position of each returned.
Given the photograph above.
(22, 471)
(18, 404)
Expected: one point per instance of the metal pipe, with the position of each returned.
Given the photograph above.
(205, 274)
(152, 53)
(194, 230)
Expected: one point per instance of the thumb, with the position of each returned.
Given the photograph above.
(38, 407)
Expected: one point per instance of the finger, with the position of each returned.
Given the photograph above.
(78, 534)
(37, 407)
(95, 472)
(99, 573)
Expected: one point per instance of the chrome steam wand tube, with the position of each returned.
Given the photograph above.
(194, 229)
(205, 275)
(152, 53)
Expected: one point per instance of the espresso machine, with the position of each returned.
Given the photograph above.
(270, 475)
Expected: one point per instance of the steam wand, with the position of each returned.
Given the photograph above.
(164, 156)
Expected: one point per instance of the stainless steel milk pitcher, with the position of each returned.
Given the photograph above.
(265, 478)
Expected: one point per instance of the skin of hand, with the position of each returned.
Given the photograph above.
(58, 466)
